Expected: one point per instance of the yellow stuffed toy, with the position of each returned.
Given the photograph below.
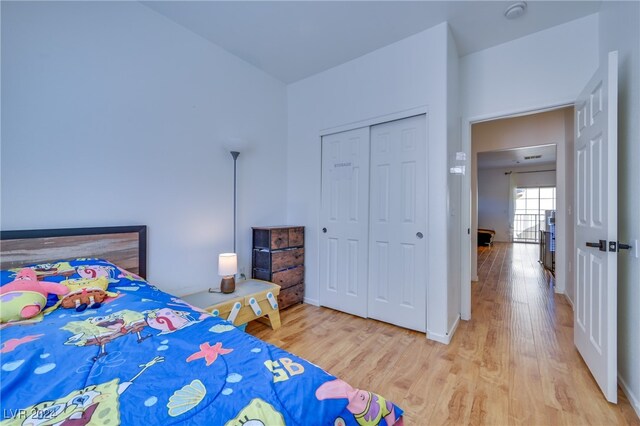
(84, 293)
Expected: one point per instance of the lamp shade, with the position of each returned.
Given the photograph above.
(227, 264)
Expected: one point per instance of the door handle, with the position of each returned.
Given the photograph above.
(600, 245)
(622, 246)
(419, 235)
(324, 230)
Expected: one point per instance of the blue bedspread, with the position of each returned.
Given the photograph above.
(146, 357)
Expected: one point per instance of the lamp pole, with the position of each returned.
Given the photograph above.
(235, 155)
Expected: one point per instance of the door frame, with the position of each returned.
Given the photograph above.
(467, 242)
(372, 121)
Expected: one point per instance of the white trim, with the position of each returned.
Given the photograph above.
(445, 339)
(372, 121)
(313, 302)
(566, 296)
(520, 112)
(633, 399)
(467, 256)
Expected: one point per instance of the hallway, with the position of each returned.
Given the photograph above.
(513, 363)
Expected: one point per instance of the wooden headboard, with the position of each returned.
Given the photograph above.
(126, 246)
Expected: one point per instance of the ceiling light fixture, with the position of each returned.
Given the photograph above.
(516, 10)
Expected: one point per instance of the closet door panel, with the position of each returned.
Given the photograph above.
(344, 221)
(397, 268)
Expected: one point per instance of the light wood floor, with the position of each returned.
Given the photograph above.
(513, 363)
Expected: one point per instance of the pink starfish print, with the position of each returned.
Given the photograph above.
(209, 353)
(11, 344)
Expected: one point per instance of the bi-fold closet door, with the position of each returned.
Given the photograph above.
(373, 221)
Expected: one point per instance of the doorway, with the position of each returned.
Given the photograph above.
(521, 170)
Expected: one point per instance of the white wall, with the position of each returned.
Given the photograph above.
(531, 72)
(494, 194)
(545, 69)
(405, 75)
(114, 115)
(493, 202)
(525, 179)
(619, 30)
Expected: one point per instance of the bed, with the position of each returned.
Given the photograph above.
(485, 237)
(144, 356)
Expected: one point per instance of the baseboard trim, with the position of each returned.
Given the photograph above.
(313, 302)
(445, 339)
(635, 403)
(569, 300)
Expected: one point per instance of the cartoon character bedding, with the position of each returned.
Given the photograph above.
(143, 356)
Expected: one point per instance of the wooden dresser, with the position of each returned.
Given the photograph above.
(278, 256)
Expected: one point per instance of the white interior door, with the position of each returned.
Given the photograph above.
(595, 325)
(397, 240)
(344, 221)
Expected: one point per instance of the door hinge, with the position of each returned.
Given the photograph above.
(613, 246)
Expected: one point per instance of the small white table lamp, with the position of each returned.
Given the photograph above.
(227, 269)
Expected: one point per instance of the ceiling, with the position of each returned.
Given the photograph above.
(515, 157)
(292, 40)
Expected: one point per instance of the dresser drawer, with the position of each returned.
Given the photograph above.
(270, 239)
(261, 238)
(296, 237)
(290, 296)
(261, 274)
(279, 238)
(289, 277)
(262, 260)
(286, 259)
(278, 260)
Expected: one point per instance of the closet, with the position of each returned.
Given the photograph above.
(373, 222)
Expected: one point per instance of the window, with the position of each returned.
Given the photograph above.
(529, 207)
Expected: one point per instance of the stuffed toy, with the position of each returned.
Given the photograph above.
(24, 297)
(84, 293)
(367, 408)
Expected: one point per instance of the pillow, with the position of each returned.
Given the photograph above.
(71, 269)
